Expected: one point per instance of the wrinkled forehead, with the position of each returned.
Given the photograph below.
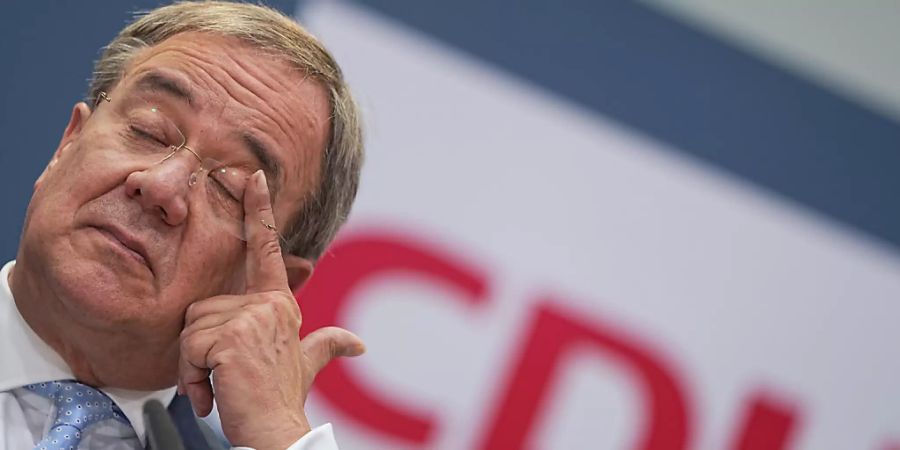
(229, 94)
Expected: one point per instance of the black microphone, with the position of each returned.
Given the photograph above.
(161, 431)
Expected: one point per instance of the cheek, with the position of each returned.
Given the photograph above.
(199, 273)
(84, 172)
(211, 265)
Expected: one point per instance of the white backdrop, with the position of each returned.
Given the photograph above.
(567, 281)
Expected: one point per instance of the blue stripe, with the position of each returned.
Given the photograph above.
(704, 97)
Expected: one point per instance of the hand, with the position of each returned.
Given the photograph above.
(261, 370)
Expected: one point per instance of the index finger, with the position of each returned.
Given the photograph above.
(264, 264)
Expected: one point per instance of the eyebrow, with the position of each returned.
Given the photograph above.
(269, 163)
(158, 82)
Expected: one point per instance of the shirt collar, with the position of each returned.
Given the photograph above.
(26, 359)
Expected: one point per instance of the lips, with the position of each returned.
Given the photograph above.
(128, 242)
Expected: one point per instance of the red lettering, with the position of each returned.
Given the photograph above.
(349, 263)
(552, 332)
(768, 425)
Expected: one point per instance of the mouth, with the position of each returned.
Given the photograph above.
(126, 244)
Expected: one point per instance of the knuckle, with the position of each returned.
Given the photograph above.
(192, 312)
(189, 346)
(334, 348)
(198, 309)
(262, 312)
(295, 323)
(271, 247)
(228, 356)
(285, 305)
(286, 311)
(239, 327)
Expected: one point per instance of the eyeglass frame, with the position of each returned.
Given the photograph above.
(103, 96)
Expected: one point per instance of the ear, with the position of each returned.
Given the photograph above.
(80, 114)
(298, 271)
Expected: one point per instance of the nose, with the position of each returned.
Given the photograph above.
(162, 189)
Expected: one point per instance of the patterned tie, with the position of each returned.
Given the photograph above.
(78, 406)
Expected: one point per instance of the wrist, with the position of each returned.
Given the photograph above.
(278, 435)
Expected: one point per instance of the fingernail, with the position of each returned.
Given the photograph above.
(260, 179)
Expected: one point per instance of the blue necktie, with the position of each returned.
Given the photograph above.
(78, 406)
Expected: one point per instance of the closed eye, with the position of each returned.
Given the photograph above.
(146, 135)
(222, 188)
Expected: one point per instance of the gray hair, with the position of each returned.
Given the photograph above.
(325, 209)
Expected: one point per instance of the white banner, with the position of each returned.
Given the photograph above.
(528, 274)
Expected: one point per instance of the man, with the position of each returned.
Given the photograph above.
(216, 157)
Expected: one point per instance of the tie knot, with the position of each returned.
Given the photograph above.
(78, 405)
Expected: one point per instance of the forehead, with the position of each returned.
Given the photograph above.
(236, 96)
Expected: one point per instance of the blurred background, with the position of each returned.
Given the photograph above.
(582, 224)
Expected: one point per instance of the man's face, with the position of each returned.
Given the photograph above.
(122, 238)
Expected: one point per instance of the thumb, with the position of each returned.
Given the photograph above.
(325, 344)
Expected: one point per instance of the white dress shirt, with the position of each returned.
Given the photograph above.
(26, 417)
